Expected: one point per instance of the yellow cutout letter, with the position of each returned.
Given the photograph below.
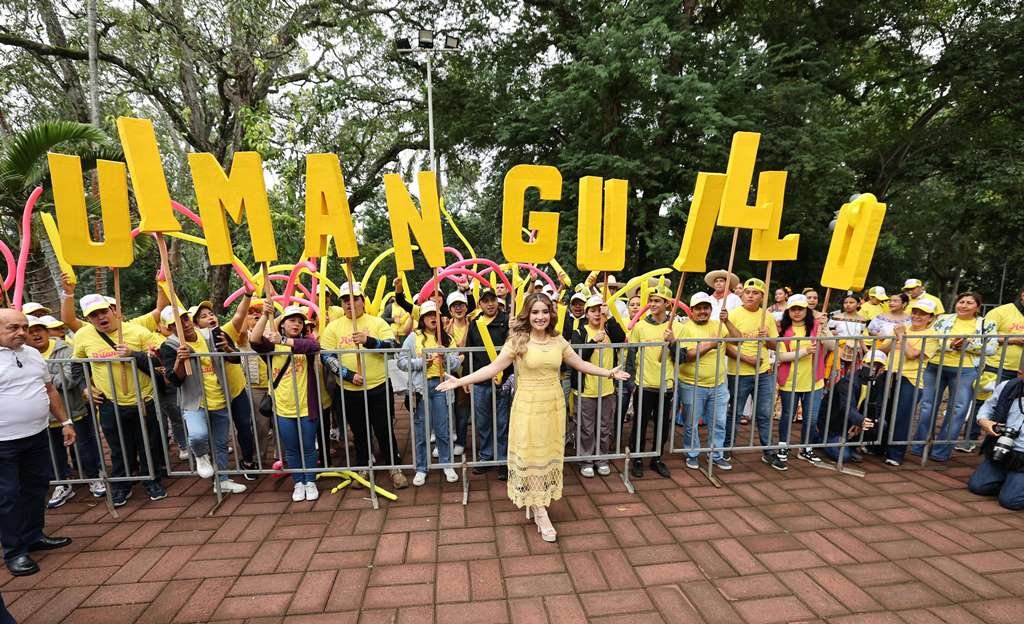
(853, 243)
(735, 212)
(766, 244)
(425, 225)
(242, 191)
(73, 221)
(601, 228)
(143, 157)
(548, 181)
(327, 212)
(700, 223)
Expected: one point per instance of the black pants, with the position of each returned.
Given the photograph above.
(645, 412)
(376, 405)
(24, 478)
(125, 424)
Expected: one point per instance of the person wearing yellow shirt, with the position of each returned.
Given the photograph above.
(749, 369)
(1009, 357)
(954, 367)
(875, 303)
(458, 328)
(909, 350)
(598, 396)
(296, 391)
(149, 320)
(201, 392)
(703, 393)
(915, 290)
(239, 405)
(368, 405)
(113, 388)
(653, 367)
(801, 374)
(425, 373)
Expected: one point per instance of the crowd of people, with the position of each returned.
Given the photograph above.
(508, 381)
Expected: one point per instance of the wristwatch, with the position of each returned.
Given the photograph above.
(67, 423)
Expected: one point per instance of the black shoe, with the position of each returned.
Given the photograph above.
(727, 456)
(502, 473)
(22, 565)
(246, 467)
(637, 470)
(120, 497)
(775, 462)
(156, 491)
(481, 469)
(660, 468)
(49, 543)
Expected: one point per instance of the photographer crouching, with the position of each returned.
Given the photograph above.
(1001, 419)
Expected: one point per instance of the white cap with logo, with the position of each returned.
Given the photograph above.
(93, 302)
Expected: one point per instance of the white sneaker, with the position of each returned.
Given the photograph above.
(335, 434)
(299, 493)
(311, 492)
(230, 487)
(98, 489)
(61, 495)
(434, 453)
(419, 479)
(459, 450)
(451, 475)
(182, 454)
(203, 466)
(604, 470)
(587, 471)
(433, 438)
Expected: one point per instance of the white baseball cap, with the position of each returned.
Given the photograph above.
(167, 314)
(110, 300)
(456, 297)
(924, 305)
(878, 293)
(427, 307)
(701, 297)
(348, 289)
(292, 310)
(34, 321)
(594, 300)
(93, 302)
(51, 322)
(35, 309)
(877, 357)
(796, 301)
(912, 283)
(578, 295)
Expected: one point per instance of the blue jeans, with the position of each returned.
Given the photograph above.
(832, 452)
(990, 478)
(960, 383)
(438, 422)
(710, 405)
(809, 402)
(742, 388)
(899, 425)
(241, 414)
(86, 447)
(485, 429)
(291, 430)
(198, 431)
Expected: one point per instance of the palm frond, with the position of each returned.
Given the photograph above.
(23, 155)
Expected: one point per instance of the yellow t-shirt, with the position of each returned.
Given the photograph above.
(1008, 320)
(292, 385)
(214, 394)
(712, 364)
(234, 373)
(338, 336)
(644, 331)
(400, 320)
(89, 344)
(952, 357)
(801, 372)
(912, 367)
(458, 333)
(598, 386)
(871, 310)
(748, 322)
(148, 321)
(427, 340)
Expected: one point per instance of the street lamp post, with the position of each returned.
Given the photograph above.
(425, 44)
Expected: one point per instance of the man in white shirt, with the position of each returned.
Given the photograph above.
(723, 284)
(28, 396)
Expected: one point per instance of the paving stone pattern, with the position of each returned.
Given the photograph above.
(906, 545)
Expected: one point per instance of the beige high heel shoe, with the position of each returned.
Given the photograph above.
(544, 526)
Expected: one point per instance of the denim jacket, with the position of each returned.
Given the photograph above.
(410, 359)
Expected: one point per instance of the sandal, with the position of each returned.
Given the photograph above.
(544, 526)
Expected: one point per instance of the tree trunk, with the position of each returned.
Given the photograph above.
(39, 282)
(220, 276)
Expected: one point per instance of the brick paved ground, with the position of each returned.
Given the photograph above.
(895, 546)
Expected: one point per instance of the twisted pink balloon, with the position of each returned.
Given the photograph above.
(11, 265)
(26, 242)
(431, 285)
(285, 301)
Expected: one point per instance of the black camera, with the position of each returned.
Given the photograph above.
(1004, 443)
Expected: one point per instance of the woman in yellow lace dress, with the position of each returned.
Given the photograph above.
(536, 432)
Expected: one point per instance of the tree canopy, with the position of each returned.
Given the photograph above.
(915, 101)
